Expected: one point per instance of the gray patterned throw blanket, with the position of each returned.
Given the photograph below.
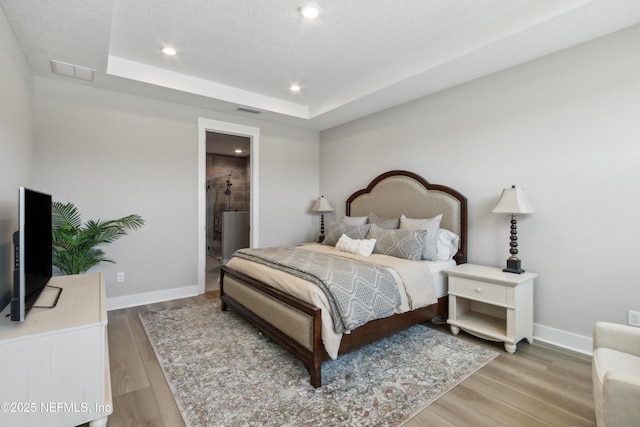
(357, 291)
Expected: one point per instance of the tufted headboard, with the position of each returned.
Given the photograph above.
(401, 192)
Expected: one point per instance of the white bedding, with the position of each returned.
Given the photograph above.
(415, 279)
(440, 282)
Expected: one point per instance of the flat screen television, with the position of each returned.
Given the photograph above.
(33, 251)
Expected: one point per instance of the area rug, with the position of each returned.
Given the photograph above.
(224, 372)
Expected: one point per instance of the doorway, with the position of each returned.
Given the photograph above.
(228, 206)
(227, 179)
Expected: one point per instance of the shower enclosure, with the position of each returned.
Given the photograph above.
(235, 233)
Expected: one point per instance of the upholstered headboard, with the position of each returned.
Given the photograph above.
(401, 192)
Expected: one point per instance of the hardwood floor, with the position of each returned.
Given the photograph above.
(539, 385)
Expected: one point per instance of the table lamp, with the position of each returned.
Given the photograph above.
(321, 205)
(513, 201)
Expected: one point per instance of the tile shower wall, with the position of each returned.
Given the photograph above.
(218, 170)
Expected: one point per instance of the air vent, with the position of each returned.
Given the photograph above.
(249, 110)
(73, 71)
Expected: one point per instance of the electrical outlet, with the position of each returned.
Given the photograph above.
(120, 279)
(634, 318)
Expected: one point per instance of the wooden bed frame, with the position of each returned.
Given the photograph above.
(296, 324)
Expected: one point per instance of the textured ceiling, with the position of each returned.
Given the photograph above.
(356, 58)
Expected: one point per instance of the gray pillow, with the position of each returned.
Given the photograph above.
(336, 229)
(432, 226)
(384, 222)
(354, 220)
(407, 244)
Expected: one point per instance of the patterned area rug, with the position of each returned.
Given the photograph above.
(223, 372)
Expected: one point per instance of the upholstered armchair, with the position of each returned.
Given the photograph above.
(616, 374)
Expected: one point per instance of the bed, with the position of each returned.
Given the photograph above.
(296, 322)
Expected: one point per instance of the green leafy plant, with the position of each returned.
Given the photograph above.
(74, 244)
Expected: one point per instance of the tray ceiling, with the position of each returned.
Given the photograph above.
(356, 58)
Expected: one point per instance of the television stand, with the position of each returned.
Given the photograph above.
(58, 292)
(55, 364)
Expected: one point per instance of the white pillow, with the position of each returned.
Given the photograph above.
(354, 220)
(447, 244)
(362, 247)
(432, 225)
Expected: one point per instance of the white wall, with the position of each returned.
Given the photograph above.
(114, 154)
(565, 127)
(16, 144)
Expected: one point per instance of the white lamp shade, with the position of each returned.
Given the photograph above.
(513, 201)
(322, 205)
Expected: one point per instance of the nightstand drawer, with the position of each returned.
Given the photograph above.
(478, 290)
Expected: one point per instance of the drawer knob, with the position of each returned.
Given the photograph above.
(478, 289)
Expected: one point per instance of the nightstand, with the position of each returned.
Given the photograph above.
(491, 304)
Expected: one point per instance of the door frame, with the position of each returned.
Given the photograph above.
(253, 133)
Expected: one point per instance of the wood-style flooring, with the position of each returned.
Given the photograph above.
(539, 385)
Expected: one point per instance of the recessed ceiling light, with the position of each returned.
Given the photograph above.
(294, 88)
(238, 151)
(169, 51)
(310, 10)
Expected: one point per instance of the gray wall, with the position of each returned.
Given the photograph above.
(113, 154)
(565, 127)
(16, 144)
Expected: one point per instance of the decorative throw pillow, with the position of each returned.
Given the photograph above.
(408, 244)
(431, 225)
(337, 229)
(362, 247)
(447, 244)
(390, 223)
(354, 220)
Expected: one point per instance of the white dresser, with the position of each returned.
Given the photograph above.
(55, 364)
(491, 304)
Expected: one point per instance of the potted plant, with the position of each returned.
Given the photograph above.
(74, 244)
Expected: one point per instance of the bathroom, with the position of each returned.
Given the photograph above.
(228, 195)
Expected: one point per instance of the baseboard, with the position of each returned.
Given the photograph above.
(556, 337)
(564, 339)
(115, 303)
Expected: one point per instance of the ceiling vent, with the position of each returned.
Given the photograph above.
(249, 110)
(73, 71)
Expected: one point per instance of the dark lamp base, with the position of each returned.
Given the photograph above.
(513, 266)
